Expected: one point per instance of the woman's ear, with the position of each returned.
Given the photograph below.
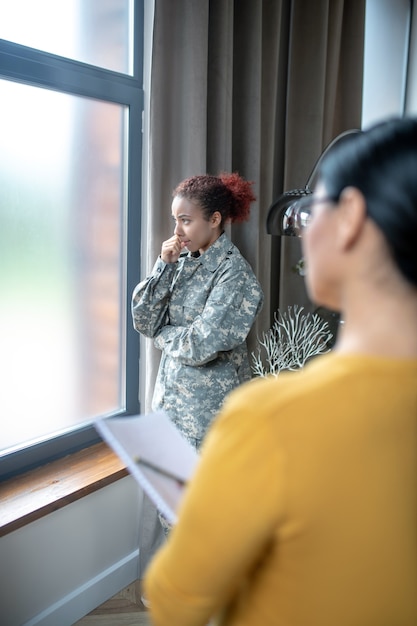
(352, 216)
(216, 218)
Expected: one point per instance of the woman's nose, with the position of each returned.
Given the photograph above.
(177, 230)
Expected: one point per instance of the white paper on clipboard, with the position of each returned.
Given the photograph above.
(155, 439)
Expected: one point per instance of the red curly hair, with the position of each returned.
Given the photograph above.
(230, 194)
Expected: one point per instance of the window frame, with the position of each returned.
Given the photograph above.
(41, 69)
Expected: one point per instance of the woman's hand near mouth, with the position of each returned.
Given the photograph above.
(171, 249)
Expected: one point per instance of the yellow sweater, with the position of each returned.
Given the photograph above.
(303, 510)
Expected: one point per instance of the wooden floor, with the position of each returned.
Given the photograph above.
(124, 609)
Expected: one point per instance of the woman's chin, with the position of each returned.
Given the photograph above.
(322, 300)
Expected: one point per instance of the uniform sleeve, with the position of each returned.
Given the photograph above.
(150, 299)
(219, 538)
(225, 322)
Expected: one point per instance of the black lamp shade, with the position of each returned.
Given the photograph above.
(283, 217)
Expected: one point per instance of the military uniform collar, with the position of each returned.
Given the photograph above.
(218, 251)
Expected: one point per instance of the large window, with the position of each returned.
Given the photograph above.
(70, 168)
(98, 32)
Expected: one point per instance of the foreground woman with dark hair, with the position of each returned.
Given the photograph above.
(303, 510)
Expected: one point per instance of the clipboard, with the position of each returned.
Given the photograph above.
(155, 453)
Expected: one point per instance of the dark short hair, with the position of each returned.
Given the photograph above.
(382, 163)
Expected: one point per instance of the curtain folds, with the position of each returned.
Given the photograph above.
(255, 87)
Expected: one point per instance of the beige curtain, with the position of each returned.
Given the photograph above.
(254, 86)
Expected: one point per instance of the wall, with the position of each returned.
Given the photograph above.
(385, 60)
(57, 569)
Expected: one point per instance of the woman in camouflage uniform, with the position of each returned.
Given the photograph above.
(199, 303)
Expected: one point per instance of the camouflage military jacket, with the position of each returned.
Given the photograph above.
(199, 312)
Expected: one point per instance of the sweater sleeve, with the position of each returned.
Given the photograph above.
(150, 299)
(219, 538)
(225, 322)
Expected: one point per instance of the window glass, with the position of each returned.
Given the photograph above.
(97, 32)
(62, 249)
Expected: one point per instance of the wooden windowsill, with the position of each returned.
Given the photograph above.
(33, 495)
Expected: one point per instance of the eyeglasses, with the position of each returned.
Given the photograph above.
(302, 209)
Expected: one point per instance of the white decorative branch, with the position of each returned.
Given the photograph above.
(293, 339)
